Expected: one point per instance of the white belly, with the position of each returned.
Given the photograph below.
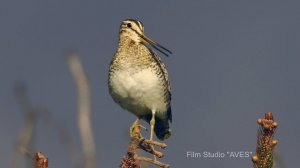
(139, 92)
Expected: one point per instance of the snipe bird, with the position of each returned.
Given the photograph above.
(138, 80)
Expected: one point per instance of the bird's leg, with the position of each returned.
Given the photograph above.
(152, 124)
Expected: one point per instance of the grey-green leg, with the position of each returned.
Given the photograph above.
(152, 124)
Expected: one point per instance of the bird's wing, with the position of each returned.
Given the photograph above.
(165, 75)
(167, 82)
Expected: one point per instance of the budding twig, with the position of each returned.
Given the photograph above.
(40, 161)
(264, 155)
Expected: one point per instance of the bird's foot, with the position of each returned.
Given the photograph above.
(154, 156)
(134, 126)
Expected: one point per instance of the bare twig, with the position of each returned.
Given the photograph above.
(264, 155)
(146, 146)
(159, 144)
(40, 161)
(84, 110)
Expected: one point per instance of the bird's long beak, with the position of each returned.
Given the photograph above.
(155, 45)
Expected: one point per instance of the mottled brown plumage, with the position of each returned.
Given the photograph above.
(138, 79)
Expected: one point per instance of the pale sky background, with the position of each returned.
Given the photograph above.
(233, 61)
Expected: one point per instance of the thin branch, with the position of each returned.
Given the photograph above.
(84, 110)
(159, 144)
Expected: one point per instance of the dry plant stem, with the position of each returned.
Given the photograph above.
(264, 155)
(84, 110)
(25, 143)
(40, 161)
(131, 159)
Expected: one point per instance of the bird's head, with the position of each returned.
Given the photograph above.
(134, 30)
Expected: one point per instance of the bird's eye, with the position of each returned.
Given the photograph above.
(129, 25)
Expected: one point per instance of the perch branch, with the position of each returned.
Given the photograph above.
(131, 159)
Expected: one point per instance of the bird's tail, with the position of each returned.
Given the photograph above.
(161, 128)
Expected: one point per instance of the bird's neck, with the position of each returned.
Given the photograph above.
(131, 54)
(125, 42)
(128, 46)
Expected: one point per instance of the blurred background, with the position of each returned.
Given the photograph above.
(232, 62)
